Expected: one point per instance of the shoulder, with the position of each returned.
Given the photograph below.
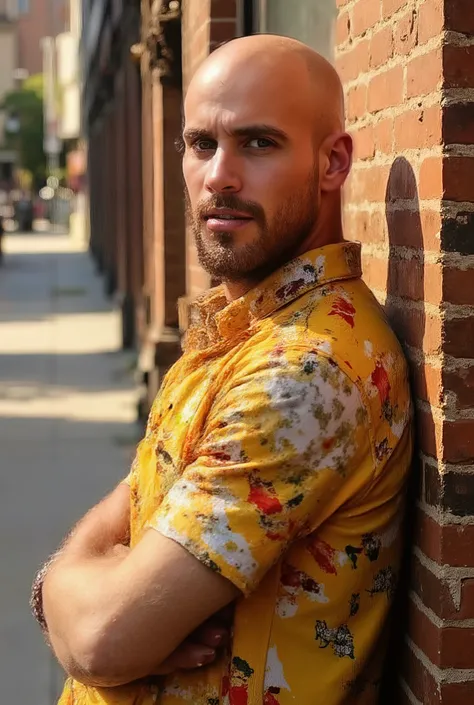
(294, 373)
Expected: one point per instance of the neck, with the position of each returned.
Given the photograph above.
(328, 231)
(234, 290)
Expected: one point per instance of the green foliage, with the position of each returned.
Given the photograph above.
(27, 104)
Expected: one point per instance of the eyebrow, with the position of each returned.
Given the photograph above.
(192, 134)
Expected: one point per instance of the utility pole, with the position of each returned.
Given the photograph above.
(52, 144)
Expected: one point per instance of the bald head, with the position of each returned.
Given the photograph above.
(292, 69)
(265, 149)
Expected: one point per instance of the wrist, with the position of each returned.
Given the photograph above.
(36, 597)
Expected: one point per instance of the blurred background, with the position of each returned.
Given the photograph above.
(96, 264)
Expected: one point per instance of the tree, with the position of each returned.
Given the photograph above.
(26, 104)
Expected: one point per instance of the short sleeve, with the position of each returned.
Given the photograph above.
(283, 446)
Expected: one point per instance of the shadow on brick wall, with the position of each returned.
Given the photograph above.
(405, 287)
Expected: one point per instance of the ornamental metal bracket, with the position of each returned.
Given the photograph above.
(163, 40)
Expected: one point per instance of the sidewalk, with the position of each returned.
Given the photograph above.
(67, 431)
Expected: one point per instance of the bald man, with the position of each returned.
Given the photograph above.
(251, 556)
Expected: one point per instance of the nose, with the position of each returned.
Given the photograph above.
(222, 173)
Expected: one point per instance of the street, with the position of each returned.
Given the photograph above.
(67, 430)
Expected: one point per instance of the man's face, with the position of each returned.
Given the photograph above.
(251, 173)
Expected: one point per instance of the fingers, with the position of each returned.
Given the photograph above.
(211, 634)
(187, 656)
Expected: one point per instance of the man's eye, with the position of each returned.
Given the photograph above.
(203, 145)
(260, 143)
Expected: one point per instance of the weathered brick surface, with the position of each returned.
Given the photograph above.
(411, 203)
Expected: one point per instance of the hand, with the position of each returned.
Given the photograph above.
(200, 648)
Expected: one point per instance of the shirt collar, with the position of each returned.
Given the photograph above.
(213, 319)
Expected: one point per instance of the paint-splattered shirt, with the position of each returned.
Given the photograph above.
(276, 453)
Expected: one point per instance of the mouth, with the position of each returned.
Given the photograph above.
(221, 219)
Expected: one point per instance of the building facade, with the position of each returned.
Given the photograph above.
(408, 72)
(37, 19)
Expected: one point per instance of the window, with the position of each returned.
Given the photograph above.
(310, 21)
(23, 6)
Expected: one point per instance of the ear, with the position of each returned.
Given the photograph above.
(336, 152)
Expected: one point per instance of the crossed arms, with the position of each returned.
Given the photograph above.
(115, 615)
(264, 472)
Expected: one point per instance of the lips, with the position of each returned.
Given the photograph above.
(219, 220)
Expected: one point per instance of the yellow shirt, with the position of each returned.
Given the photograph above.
(276, 452)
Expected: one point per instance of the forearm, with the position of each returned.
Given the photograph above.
(103, 528)
(79, 595)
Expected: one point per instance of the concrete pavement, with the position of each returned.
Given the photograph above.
(67, 431)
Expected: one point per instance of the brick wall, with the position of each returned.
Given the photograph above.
(205, 24)
(408, 71)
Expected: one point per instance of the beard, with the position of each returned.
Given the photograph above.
(275, 243)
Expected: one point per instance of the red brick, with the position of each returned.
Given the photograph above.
(459, 336)
(222, 31)
(436, 595)
(452, 491)
(458, 693)
(354, 62)
(411, 228)
(419, 679)
(343, 27)
(430, 20)
(369, 184)
(459, 16)
(429, 433)
(458, 540)
(366, 227)
(366, 14)
(458, 123)
(458, 286)
(426, 382)
(458, 65)
(425, 635)
(357, 102)
(461, 384)
(378, 227)
(448, 544)
(415, 280)
(405, 35)
(416, 129)
(424, 74)
(381, 47)
(414, 327)
(223, 8)
(457, 647)
(458, 173)
(383, 136)
(389, 7)
(386, 89)
(429, 536)
(458, 441)
(364, 147)
(431, 227)
(402, 184)
(431, 178)
(374, 272)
